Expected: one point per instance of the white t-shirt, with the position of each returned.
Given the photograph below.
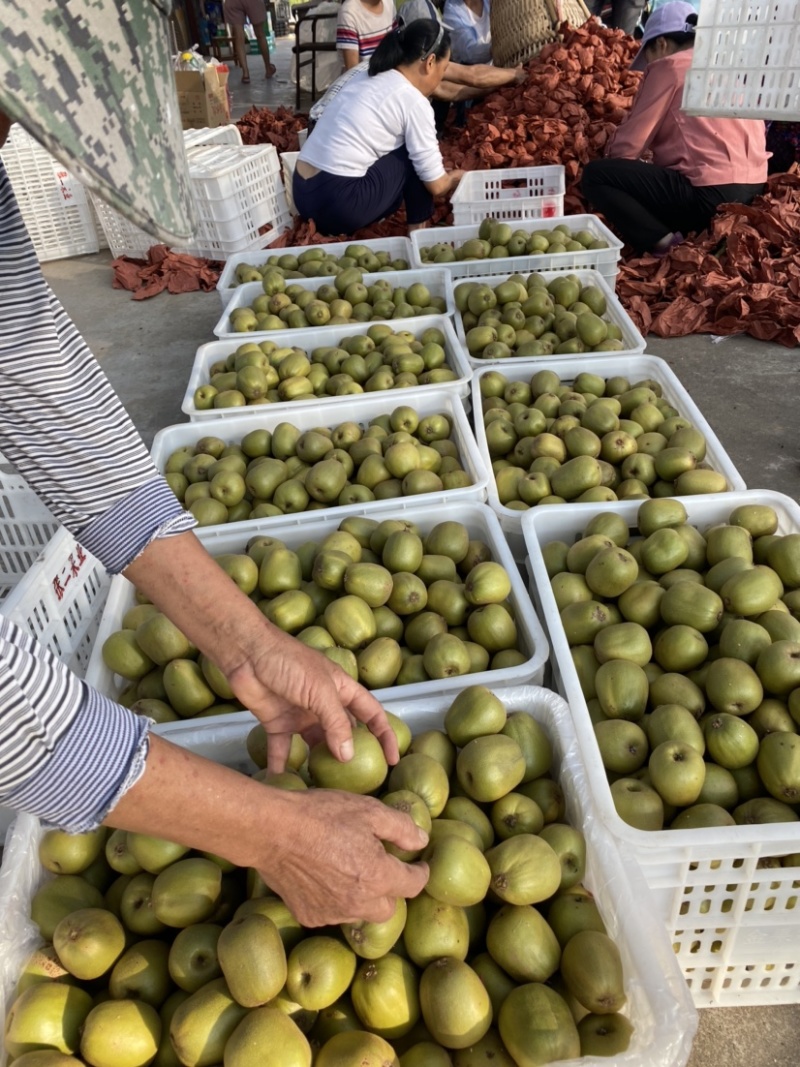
(369, 118)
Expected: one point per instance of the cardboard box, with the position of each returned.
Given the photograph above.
(203, 97)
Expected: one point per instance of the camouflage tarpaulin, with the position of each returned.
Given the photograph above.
(92, 80)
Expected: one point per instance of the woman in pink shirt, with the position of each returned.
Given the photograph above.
(665, 172)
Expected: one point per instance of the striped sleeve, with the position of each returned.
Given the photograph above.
(346, 37)
(62, 423)
(67, 754)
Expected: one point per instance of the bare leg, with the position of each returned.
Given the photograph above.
(240, 50)
(263, 47)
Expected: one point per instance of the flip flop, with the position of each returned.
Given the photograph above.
(246, 80)
(272, 72)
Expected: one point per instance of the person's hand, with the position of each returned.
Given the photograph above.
(329, 864)
(520, 75)
(455, 177)
(321, 850)
(291, 688)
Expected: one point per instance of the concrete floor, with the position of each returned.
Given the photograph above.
(746, 389)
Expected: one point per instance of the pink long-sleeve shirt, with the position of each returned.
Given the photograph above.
(707, 151)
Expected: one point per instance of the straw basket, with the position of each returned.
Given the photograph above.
(521, 28)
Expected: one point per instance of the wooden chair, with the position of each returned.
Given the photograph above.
(309, 48)
(220, 42)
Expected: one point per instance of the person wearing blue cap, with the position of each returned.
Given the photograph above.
(665, 173)
(93, 81)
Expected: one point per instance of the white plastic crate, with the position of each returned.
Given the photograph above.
(53, 203)
(509, 193)
(632, 341)
(658, 1003)
(603, 260)
(236, 192)
(745, 61)
(734, 925)
(479, 520)
(322, 336)
(58, 600)
(228, 134)
(397, 247)
(437, 280)
(26, 527)
(606, 365)
(306, 417)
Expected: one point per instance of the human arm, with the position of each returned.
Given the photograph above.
(320, 850)
(75, 759)
(651, 108)
(291, 688)
(348, 47)
(484, 76)
(349, 56)
(447, 182)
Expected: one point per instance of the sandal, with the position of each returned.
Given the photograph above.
(271, 72)
(245, 79)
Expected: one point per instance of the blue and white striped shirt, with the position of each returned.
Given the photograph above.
(67, 753)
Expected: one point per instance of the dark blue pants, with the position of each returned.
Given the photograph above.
(340, 205)
(645, 202)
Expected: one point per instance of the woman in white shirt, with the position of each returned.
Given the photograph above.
(375, 145)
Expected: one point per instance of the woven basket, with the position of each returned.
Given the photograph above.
(521, 28)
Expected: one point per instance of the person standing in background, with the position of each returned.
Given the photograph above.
(361, 26)
(236, 13)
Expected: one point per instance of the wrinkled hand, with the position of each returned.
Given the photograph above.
(329, 864)
(291, 688)
(520, 75)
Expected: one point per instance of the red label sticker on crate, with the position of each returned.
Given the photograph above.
(70, 570)
(71, 190)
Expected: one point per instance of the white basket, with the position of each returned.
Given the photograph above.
(236, 193)
(658, 1004)
(632, 341)
(510, 193)
(321, 336)
(606, 365)
(735, 928)
(361, 410)
(59, 600)
(745, 61)
(397, 247)
(228, 134)
(603, 260)
(57, 213)
(437, 280)
(26, 527)
(479, 520)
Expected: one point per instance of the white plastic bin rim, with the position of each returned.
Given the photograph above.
(664, 1017)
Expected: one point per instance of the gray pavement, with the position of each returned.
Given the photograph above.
(747, 390)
